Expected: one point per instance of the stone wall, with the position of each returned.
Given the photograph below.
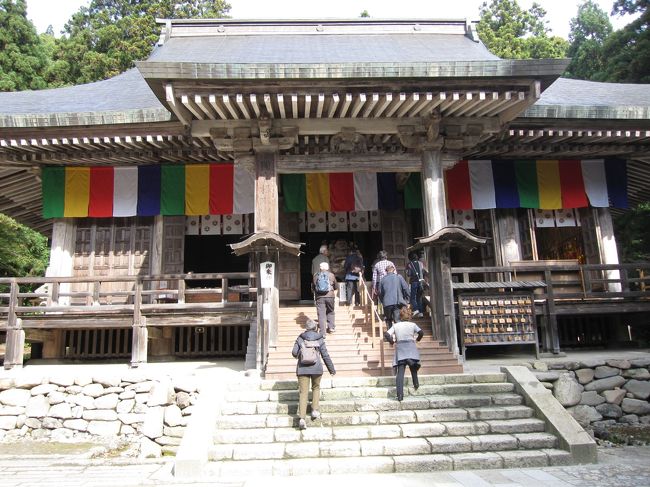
(600, 393)
(150, 410)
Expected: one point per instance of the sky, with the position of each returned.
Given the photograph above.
(559, 12)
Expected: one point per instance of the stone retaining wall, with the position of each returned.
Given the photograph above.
(599, 393)
(150, 410)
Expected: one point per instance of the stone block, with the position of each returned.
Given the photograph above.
(173, 415)
(441, 415)
(450, 444)
(629, 419)
(476, 461)
(493, 442)
(352, 433)
(11, 410)
(131, 418)
(386, 431)
(464, 428)
(302, 450)
(591, 398)
(93, 390)
(174, 431)
(494, 388)
(125, 406)
(43, 389)
(539, 365)
(63, 380)
(584, 414)
(61, 411)
(100, 415)
(490, 377)
(535, 441)
(557, 458)
(15, 397)
(183, 399)
(108, 401)
(8, 383)
(619, 363)
(366, 465)
(524, 459)
(76, 424)
(585, 376)
(186, 384)
(422, 463)
(640, 362)
(127, 394)
(82, 400)
(640, 388)
(605, 371)
(614, 396)
(605, 384)
(635, 406)
(8, 422)
(153, 423)
(610, 410)
(33, 423)
(640, 374)
(149, 449)
(287, 434)
(567, 390)
(396, 417)
(341, 448)
(592, 363)
(547, 376)
(168, 440)
(104, 428)
(511, 426)
(52, 423)
(37, 407)
(505, 400)
(317, 434)
(418, 430)
(107, 379)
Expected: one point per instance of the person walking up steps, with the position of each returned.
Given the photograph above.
(404, 334)
(309, 348)
(324, 286)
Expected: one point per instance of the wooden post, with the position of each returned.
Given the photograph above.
(15, 345)
(551, 322)
(140, 334)
(607, 246)
(508, 228)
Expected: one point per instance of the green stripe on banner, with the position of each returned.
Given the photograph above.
(53, 187)
(526, 172)
(413, 191)
(295, 192)
(172, 190)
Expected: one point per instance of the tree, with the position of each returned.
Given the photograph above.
(513, 33)
(627, 50)
(590, 28)
(23, 251)
(633, 233)
(105, 38)
(364, 14)
(22, 57)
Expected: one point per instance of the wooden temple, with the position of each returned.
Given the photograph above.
(185, 198)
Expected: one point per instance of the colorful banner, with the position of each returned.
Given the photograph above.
(319, 192)
(192, 189)
(542, 184)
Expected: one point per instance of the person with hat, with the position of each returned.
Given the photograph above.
(310, 370)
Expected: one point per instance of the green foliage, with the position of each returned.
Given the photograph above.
(23, 252)
(633, 233)
(589, 31)
(105, 38)
(364, 14)
(627, 50)
(22, 57)
(513, 33)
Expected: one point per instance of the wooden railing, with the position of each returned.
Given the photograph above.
(119, 302)
(372, 316)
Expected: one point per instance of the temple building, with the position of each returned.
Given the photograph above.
(186, 197)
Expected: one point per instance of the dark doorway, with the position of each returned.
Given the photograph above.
(212, 254)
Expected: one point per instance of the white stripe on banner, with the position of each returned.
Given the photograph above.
(365, 191)
(244, 191)
(593, 174)
(125, 191)
(482, 184)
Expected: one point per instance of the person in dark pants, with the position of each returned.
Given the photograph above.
(393, 294)
(416, 273)
(313, 372)
(353, 269)
(403, 334)
(324, 299)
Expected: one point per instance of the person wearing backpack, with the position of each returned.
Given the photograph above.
(309, 349)
(324, 287)
(416, 273)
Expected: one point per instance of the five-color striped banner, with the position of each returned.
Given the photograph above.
(543, 184)
(196, 189)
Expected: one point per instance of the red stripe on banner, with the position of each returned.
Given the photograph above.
(342, 191)
(459, 193)
(572, 185)
(221, 188)
(100, 203)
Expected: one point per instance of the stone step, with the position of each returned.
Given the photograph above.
(380, 411)
(427, 392)
(445, 427)
(317, 445)
(233, 470)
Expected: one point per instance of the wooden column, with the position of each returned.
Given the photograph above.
(14, 348)
(267, 219)
(140, 335)
(508, 236)
(435, 217)
(607, 245)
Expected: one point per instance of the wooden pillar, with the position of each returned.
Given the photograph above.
(157, 236)
(14, 348)
(140, 334)
(607, 246)
(62, 253)
(508, 236)
(267, 220)
(443, 316)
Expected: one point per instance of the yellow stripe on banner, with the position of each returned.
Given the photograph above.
(197, 189)
(548, 184)
(318, 191)
(77, 191)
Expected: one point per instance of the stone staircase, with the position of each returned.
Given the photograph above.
(452, 422)
(351, 347)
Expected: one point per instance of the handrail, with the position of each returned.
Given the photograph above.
(371, 312)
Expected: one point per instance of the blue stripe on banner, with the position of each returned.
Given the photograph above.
(148, 190)
(616, 174)
(387, 191)
(505, 184)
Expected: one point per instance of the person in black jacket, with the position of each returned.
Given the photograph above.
(312, 372)
(393, 293)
